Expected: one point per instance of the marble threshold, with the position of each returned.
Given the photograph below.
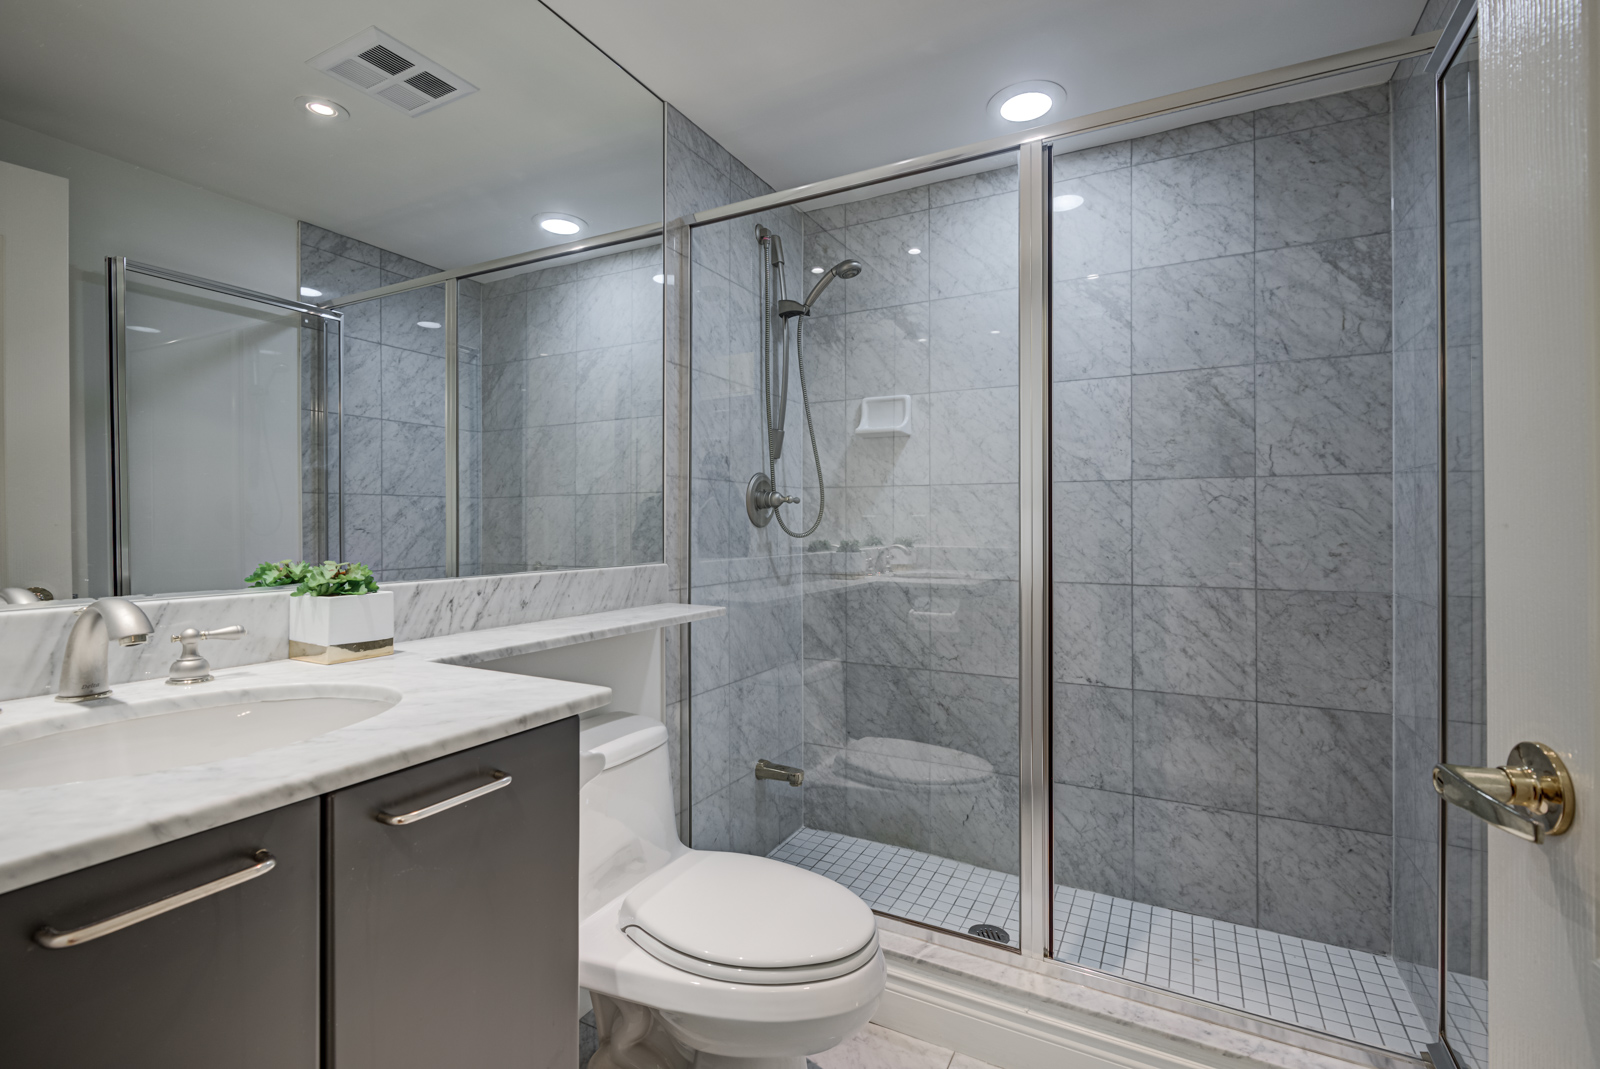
(441, 707)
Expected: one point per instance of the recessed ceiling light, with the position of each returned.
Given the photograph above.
(322, 108)
(428, 324)
(816, 270)
(556, 223)
(145, 330)
(1066, 202)
(1092, 277)
(994, 332)
(1027, 102)
(307, 291)
(914, 252)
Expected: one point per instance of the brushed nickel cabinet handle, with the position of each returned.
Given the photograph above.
(51, 939)
(400, 819)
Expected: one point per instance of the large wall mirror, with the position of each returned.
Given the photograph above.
(382, 283)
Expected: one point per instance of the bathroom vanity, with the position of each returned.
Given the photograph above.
(398, 892)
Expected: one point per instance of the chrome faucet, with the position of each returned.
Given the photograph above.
(83, 668)
(190, 667)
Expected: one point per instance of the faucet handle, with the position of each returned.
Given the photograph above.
(190, 667)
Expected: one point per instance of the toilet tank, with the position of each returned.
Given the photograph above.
(627, 826)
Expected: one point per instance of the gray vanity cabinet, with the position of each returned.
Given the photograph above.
(452, 934)
(227, 979)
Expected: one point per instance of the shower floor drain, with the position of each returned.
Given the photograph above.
(990, 931)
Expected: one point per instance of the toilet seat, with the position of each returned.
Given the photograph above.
(750, 920)
(900, 763)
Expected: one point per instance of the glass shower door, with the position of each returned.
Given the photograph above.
(900, 611)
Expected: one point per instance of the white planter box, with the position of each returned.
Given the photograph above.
(348, 628)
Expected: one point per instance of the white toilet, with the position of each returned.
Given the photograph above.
(697, 957)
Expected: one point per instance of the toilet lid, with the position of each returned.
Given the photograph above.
(748, 912)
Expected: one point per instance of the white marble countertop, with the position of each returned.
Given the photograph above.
(444, 708)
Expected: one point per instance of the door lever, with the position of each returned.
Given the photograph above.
(1529, 796)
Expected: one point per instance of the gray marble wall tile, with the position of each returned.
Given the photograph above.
(1325, 649)
(977, 824)
(413, 387)
(1092, 736)
(900, 202)
(1195, 859)
(1316, 417)
(893, 275)
(1194, 532)
(973, 246)
(1191, 640)
(1067, 163)
(1092, 237)
(1091, 430)
(1093, 634)
(982, 516)
(1001, 179)
(1319, 111)
(1324, 532)
(1326, 766)
(404, 313)
(1194, 315)
(413, 459)
(1092, 328)
(1196, 137)
(881, 628)
(1327, 884)
(363, 529)
(1094, 838)
(413, 532)
(1093, 533)
(362, 455)
(361, 368)
(1323, 183)
(972, 341)
(1189, 424)
(987, 452)
(1328, 299)
(981, 637)
(886, 351)
(1193, 207)
(1196, 750)
(338, 245)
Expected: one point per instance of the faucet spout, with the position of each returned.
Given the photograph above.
(83, 666)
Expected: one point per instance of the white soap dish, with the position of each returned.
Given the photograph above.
(885, 416)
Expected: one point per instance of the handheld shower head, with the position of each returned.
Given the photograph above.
(842, 269)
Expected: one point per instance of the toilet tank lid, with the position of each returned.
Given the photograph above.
(619, 737)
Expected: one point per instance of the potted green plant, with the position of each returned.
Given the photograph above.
(336, 612)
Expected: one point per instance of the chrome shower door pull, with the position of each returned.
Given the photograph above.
(1529, 796)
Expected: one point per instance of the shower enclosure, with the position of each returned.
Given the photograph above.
(1112, 646)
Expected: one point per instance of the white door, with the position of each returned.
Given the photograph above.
(1541, 287)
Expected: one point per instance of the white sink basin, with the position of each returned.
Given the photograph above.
(185, 729)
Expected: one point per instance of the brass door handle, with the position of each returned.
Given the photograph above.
(1529, 796)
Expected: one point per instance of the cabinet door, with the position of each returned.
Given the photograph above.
(228, 979)
(453, 939)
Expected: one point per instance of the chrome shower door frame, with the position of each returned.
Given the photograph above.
(117, 270)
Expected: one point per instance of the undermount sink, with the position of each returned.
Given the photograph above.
(164, 733)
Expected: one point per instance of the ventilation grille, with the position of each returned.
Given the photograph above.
(394, 73)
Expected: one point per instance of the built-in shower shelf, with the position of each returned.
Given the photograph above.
(883, 417)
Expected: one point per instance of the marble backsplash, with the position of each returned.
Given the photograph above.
(32, 640)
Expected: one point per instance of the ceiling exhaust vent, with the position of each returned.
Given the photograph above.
(396, 74)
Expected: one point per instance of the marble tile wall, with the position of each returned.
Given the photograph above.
(924, 649)
(1222, 558)
(570, 396)
(392, 424)
(743, 669)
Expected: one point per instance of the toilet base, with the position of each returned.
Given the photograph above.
(631, 1036)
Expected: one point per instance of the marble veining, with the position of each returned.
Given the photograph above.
(444, 708)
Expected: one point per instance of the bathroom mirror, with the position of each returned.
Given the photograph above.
(341, 149)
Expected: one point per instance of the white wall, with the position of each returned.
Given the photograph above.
(117, 209)
(35, 469)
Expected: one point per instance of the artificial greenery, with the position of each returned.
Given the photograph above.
(849, 545)
(873, 541)
(820, 545)
(330, 579)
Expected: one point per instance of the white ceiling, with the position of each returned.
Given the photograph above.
(810, 90)
(205, 92)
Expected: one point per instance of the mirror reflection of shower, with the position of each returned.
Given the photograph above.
(762, 498)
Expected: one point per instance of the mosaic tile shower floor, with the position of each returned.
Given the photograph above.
(1346, 993)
